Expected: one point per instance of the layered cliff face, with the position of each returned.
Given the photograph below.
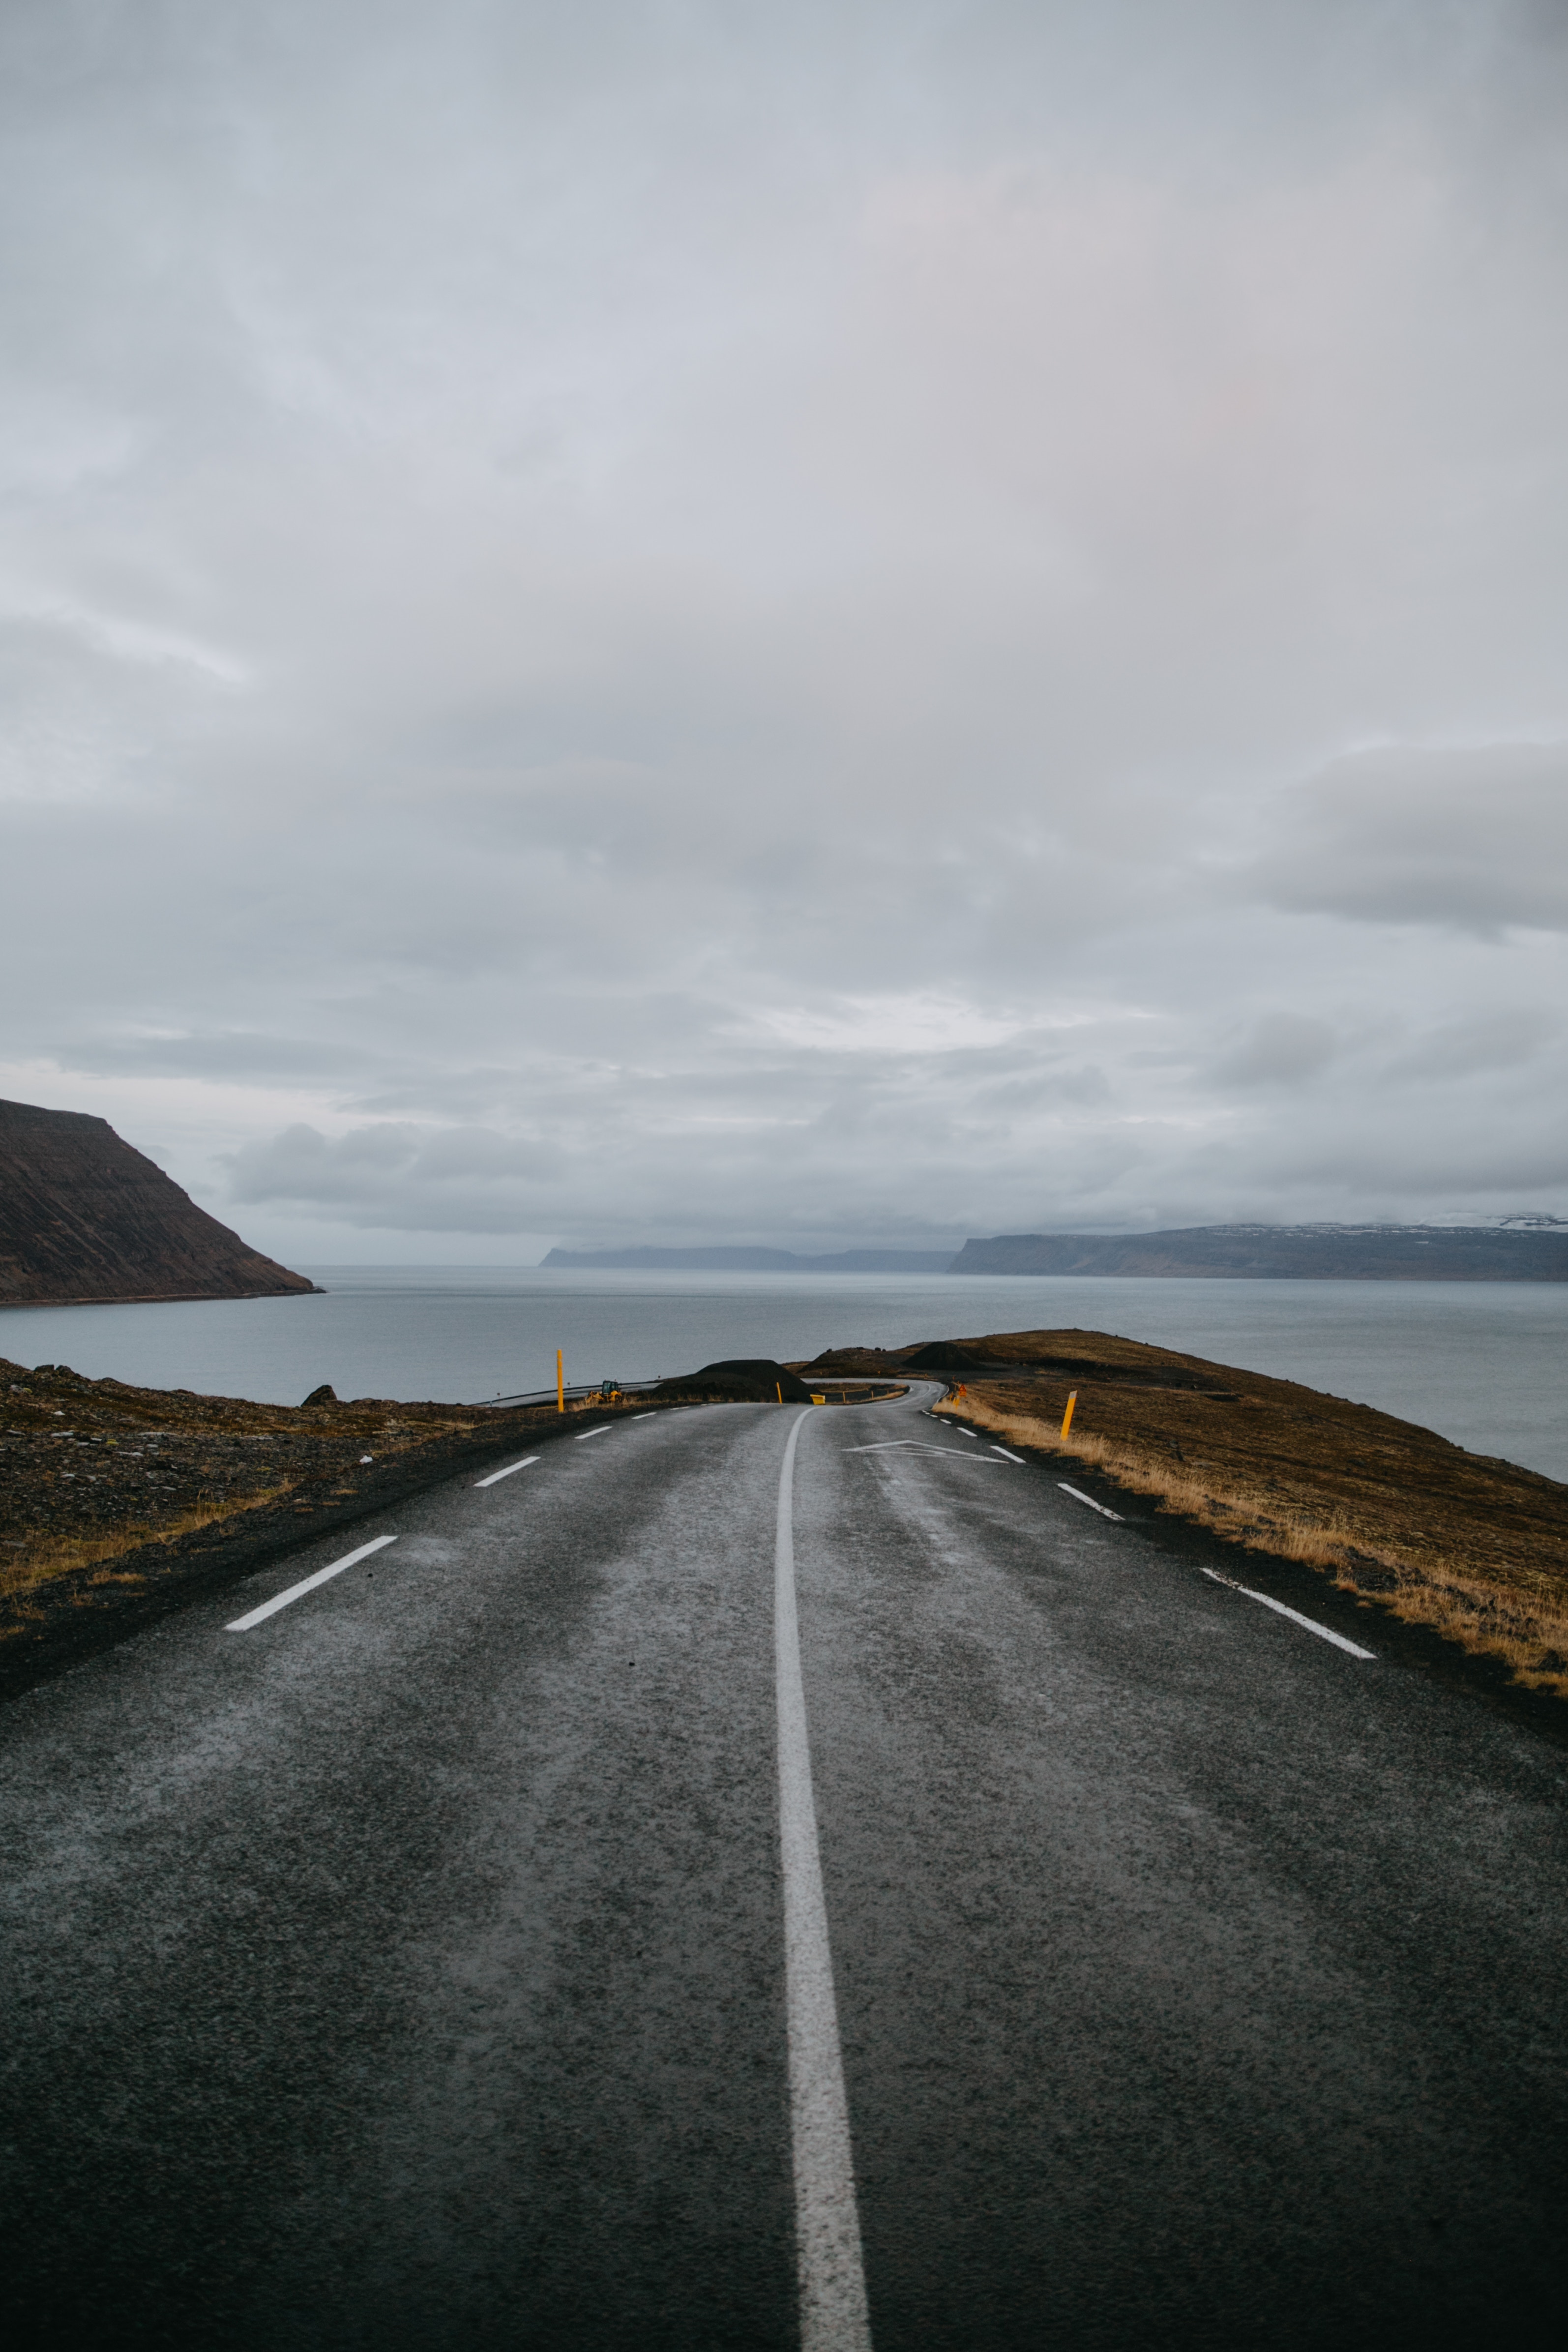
(84, 1217)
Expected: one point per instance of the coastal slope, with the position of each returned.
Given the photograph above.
(86, 1218)
(1474, 1547)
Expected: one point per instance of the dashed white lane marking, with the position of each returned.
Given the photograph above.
(1006, 1457)
(308, 1584)
(1309, 1624)
(496, 1475)
(645, 1416)
(592, 1432)
(827, 2225)
(1094, 1505)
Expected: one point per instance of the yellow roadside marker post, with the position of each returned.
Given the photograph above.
(1067, 1416)
(560, 1384)
(778, 1391)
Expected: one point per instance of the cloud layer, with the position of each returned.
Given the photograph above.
(668, 625)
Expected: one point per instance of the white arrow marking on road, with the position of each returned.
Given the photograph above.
(827, 2225)
(282, 1600)
(1322, 1632)
(892, 1445)
(506, 1473)
(1094, 1505)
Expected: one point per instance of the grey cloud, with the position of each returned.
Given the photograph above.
(1476, 839)
(223, 1054)
(458, 1179)
(1496, 1041)
(688, 625)
(1280, 1049)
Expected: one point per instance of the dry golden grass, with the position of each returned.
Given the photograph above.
(44, 1559)
(1526, 1630)
(65, 1540)
(63, 1536)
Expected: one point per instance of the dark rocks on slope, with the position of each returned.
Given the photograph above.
(84, 1217)
(749, 1379)
(119, 1502)
(941, 1355)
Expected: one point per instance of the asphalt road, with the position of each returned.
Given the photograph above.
(424, 1966)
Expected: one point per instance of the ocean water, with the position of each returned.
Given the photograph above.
(1483, 1362)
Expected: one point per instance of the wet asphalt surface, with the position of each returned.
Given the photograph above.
(407, 1971)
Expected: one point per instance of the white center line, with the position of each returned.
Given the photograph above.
(308, 1584)
(827, 2226)
(495, 1475)
(1322, 1632)
(592, 1432)
(1094, 1505)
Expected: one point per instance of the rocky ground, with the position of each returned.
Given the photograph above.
(1472, 1546)
(113, 1499)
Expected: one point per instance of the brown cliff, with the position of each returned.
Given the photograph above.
(85, 1218)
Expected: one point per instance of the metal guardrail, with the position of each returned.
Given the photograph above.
(576, 1392)
(577, 1389)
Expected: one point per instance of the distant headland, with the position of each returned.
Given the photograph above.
(1526, 1250)
(85, 1219)
(1327, 1252)
(758, 1261)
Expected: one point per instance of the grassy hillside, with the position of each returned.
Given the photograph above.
(1472, 1546)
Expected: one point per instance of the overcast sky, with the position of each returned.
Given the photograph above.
(843, 623)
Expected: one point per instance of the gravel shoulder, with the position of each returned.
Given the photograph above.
(117, 1502)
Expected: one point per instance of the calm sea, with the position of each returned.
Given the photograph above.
(1483, 1362)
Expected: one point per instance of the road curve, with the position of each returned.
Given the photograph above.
(425, 1965)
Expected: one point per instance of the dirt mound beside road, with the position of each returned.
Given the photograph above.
(738, 1380)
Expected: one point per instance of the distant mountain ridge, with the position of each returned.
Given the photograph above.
(1326, 1253)
(758, 1261)
(84, 1218)
(1521, 1250)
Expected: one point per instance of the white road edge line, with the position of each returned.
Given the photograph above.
(308, 1584)
(1323, 1633)
(592, 1432)
(833, 2316)
(1094, 1505)
(497, 1474)
(1006, 1457)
